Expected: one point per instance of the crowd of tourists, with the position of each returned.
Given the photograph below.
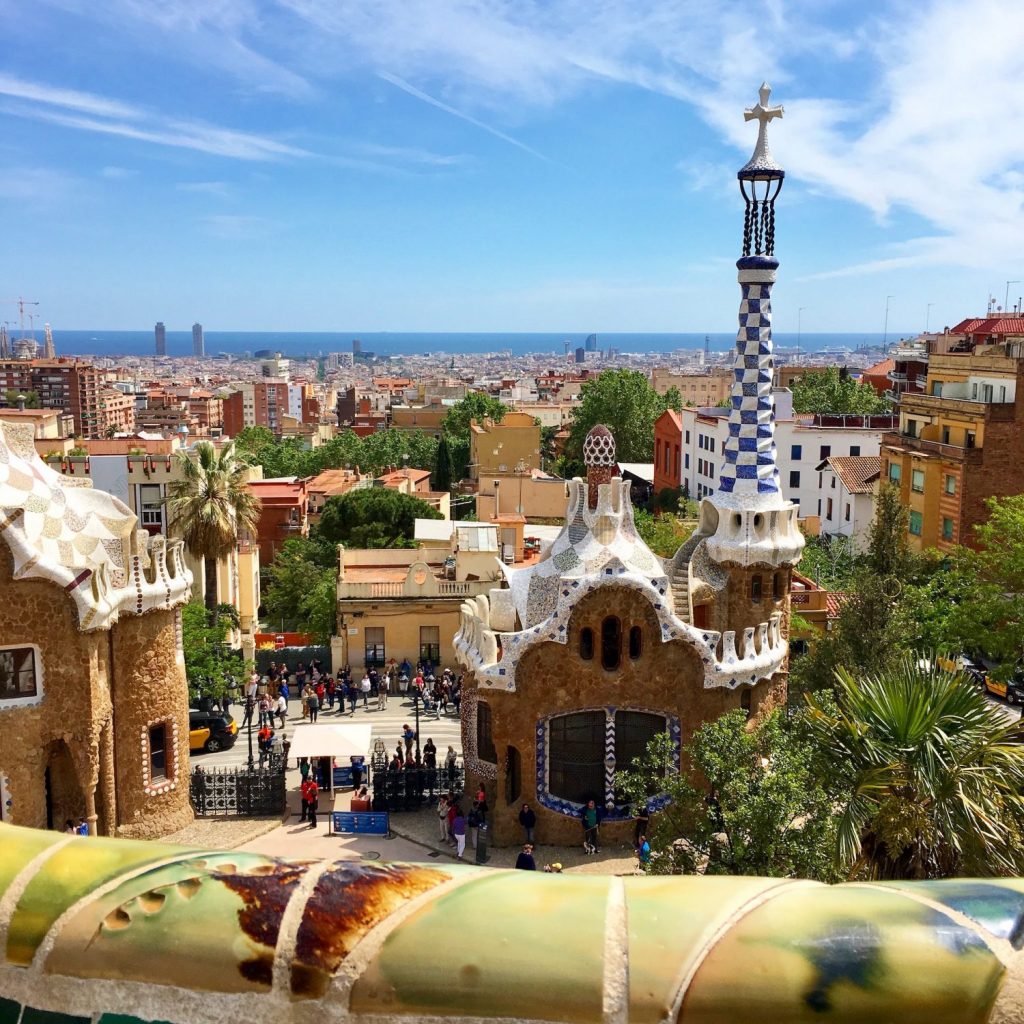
(318, 691)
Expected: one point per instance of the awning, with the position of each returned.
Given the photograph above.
(342, 741)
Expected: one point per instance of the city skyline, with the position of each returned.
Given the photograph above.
(502, 167)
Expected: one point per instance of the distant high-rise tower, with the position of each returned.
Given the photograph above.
(591, 343)
(49, 351)
(160, 333)
(198, 347)
(357, 346)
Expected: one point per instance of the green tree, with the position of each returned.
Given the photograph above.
(301, 588)
(663, 534)
(210, 664)
(32, 400)
(475, 406)
(986, 588)
(210, 506)
(879, 615)
(833, 390)
(625, 402)
(934, 774)
(762, 807)
(441, 478)
(673, 399)
(829, 561)
(376, 518)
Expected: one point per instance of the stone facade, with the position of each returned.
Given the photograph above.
(93, 698)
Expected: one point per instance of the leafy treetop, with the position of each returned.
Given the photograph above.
(831, 390)
(374, 518)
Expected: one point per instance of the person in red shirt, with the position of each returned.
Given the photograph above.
(310, 793)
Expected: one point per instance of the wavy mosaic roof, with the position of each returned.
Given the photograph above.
(84, 540)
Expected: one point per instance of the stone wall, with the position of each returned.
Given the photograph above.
(90, 718)
(552, 679)
(149, 688)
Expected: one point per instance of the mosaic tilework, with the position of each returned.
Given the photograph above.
(750, 456)
(208, 936)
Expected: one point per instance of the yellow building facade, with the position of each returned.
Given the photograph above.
(499, 449)
(958, 444)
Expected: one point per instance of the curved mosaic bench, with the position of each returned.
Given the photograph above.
(115, 931)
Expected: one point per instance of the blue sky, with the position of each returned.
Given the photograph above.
(488, 165)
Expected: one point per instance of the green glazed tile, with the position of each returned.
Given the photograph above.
(996, 904)
(850, 953)
(670, 921)
(67, 876)
(31, 1016)
(509, 944)
(18, 846)
(10, 1011)
(206, 923)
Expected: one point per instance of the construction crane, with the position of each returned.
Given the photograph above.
(32, 324)
(22, 303)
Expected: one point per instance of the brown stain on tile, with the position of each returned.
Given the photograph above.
(346, 903)
(264, 892)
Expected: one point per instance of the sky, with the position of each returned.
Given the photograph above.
(505, 165)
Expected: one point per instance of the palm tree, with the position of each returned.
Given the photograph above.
(935, 774)
(210, 506)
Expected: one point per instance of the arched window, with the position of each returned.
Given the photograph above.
(776, 586)
(611, 642)
(745, 701)
(755, 588)
(484, 737)
(636, 641)
(586, 643)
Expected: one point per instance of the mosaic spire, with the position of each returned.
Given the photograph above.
(750, 475)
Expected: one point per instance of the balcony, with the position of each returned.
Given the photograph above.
(999, 412)
(420, 582)
(949, 452)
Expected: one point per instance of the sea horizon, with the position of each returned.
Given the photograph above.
(112, 343)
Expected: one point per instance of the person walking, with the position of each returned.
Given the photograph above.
(459, 831)
(304, 767)
(283, 693)
(281, 709)
(473, 823)
(429, 754)
(590, 823)
(525, 861)
(364, 689)
(313, 702)
(643, 854)
(450, 760)
(383, 684)
(353, 696)
(528, 820)
(408, 735)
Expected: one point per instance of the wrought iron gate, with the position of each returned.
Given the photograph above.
(222, 791)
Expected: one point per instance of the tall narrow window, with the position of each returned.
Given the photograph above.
(430, 644)
(374, 636)
(611, 642)
(755, 588)
(484, 736)
(576, 757)
(158, 751)
(776, 586)
(586, 643)
(635, 642)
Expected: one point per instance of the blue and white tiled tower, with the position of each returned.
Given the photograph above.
(748, 520)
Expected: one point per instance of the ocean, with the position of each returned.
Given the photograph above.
(313, 343)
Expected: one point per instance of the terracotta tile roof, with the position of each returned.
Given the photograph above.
(880, 369)
(833, 604)
(991, 325)
(857, 472)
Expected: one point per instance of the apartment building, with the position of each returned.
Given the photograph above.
(509, 446)
(960, 442)
(849, 485)
(73, 387)
(259, 403)
(802, 442)
(695, 388)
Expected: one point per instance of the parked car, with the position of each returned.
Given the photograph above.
(972, 667)
(1011, 690)
(210, 731)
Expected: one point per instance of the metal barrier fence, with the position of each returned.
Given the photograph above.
(224, 791)
(412, 788)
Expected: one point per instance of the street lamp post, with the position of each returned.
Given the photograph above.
(416, 711)
(250, 708)
(885, 332)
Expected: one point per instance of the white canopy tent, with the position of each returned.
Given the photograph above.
(338, 741)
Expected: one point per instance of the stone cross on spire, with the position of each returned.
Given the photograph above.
(762, 158)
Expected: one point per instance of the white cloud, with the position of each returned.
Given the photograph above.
(217, 189)
(237, 227)
(117, 173)
(36, 185)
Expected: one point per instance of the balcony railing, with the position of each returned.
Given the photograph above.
(999, 411)
(952, 452)
(430, 587)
